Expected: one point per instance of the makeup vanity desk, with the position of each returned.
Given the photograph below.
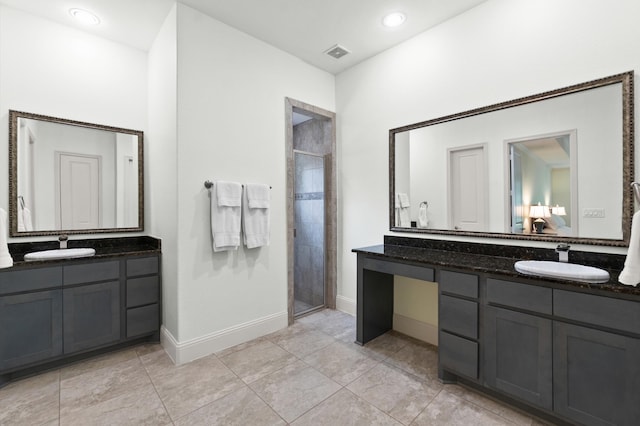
(530, 341)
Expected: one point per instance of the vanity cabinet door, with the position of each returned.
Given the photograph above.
(91, 316)
(518, 355)
(30, 328)
(596, 376)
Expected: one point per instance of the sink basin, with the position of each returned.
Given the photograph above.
(59, 254)
(565, 271)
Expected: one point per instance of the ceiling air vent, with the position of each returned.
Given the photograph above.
(337, 51)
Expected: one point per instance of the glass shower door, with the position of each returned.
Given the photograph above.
(309, 245)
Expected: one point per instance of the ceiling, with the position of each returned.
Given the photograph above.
(303, 28)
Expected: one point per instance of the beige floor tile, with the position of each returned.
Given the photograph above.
(148, 348)
(256, 361)
(97, 386)
(448, 409)
(294, 389)
(336, 324)
(241, 346)
(303, 342)
(417, 358)
(102, 361)
(385, 345)
(345, 409)
(341, 362)
(187, 387)
(503, 410)
(395, 392)
(139, 406)
(31, 401)
(240, 408)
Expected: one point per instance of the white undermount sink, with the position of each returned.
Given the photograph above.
(562, 270)
(59, 254)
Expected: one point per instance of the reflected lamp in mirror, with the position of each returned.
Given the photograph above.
(73, 177)
(538, 213)
(558, 210)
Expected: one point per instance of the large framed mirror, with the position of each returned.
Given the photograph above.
(555, 166)
(71, 177)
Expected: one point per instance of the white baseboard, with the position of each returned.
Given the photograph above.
(183, 352)
(416, 329)
(346, 305)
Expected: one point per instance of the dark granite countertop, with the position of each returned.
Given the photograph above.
(104, 247)
(494, 259)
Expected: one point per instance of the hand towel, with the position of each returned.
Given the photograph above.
(26, 219)
(630, 275)
(423, 220)
(229, 193)
(258, 195)
(403, 198)
(255, 220)
(225, 220)
(6, 261)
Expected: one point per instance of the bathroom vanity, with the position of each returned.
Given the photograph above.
(55, 312)
(567, 351)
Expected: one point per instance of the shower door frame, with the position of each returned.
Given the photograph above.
(330, 207)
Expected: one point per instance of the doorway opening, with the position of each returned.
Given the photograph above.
(311, 209)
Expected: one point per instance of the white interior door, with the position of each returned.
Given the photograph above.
(78, 191)
(467, 189)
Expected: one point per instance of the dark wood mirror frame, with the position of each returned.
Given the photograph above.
(13, 175)
(626, 79)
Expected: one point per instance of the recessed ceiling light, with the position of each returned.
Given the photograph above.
(84, 16)
(393, 19)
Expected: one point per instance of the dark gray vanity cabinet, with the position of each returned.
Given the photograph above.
(31, 322)
(458, 344)
(596, 366)
(143, 296)
(517, 345)
(50, 313)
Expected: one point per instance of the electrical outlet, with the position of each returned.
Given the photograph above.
(593, 213)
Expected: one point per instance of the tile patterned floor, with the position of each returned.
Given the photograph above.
(308, 374)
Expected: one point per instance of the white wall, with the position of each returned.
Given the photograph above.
(51, 69)
(498, 51)
(230, 109)
(161, 171)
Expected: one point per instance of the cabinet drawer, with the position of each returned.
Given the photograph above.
(458, 316)
(142, 320)
(142, 291)
(517, 295)
(30, 279)
(458, 283)
(597, 310)
(458, 355)
(142, 266)
(91, 272)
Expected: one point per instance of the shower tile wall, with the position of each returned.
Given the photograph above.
(309, 247)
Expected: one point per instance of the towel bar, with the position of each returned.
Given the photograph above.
(208, 184)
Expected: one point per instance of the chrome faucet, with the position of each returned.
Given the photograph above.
(563, 252)
(63, 241)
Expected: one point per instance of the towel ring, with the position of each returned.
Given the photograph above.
(424, 203)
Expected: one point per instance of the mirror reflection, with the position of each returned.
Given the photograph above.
(73, 177)
(550, 166)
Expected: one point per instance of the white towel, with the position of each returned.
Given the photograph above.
(258, 195)
(423, 220)
(225, 220)
(24, 220)
(229, 193)
(403, 199)
(630, 275)
(255, 220)
(6, 261)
